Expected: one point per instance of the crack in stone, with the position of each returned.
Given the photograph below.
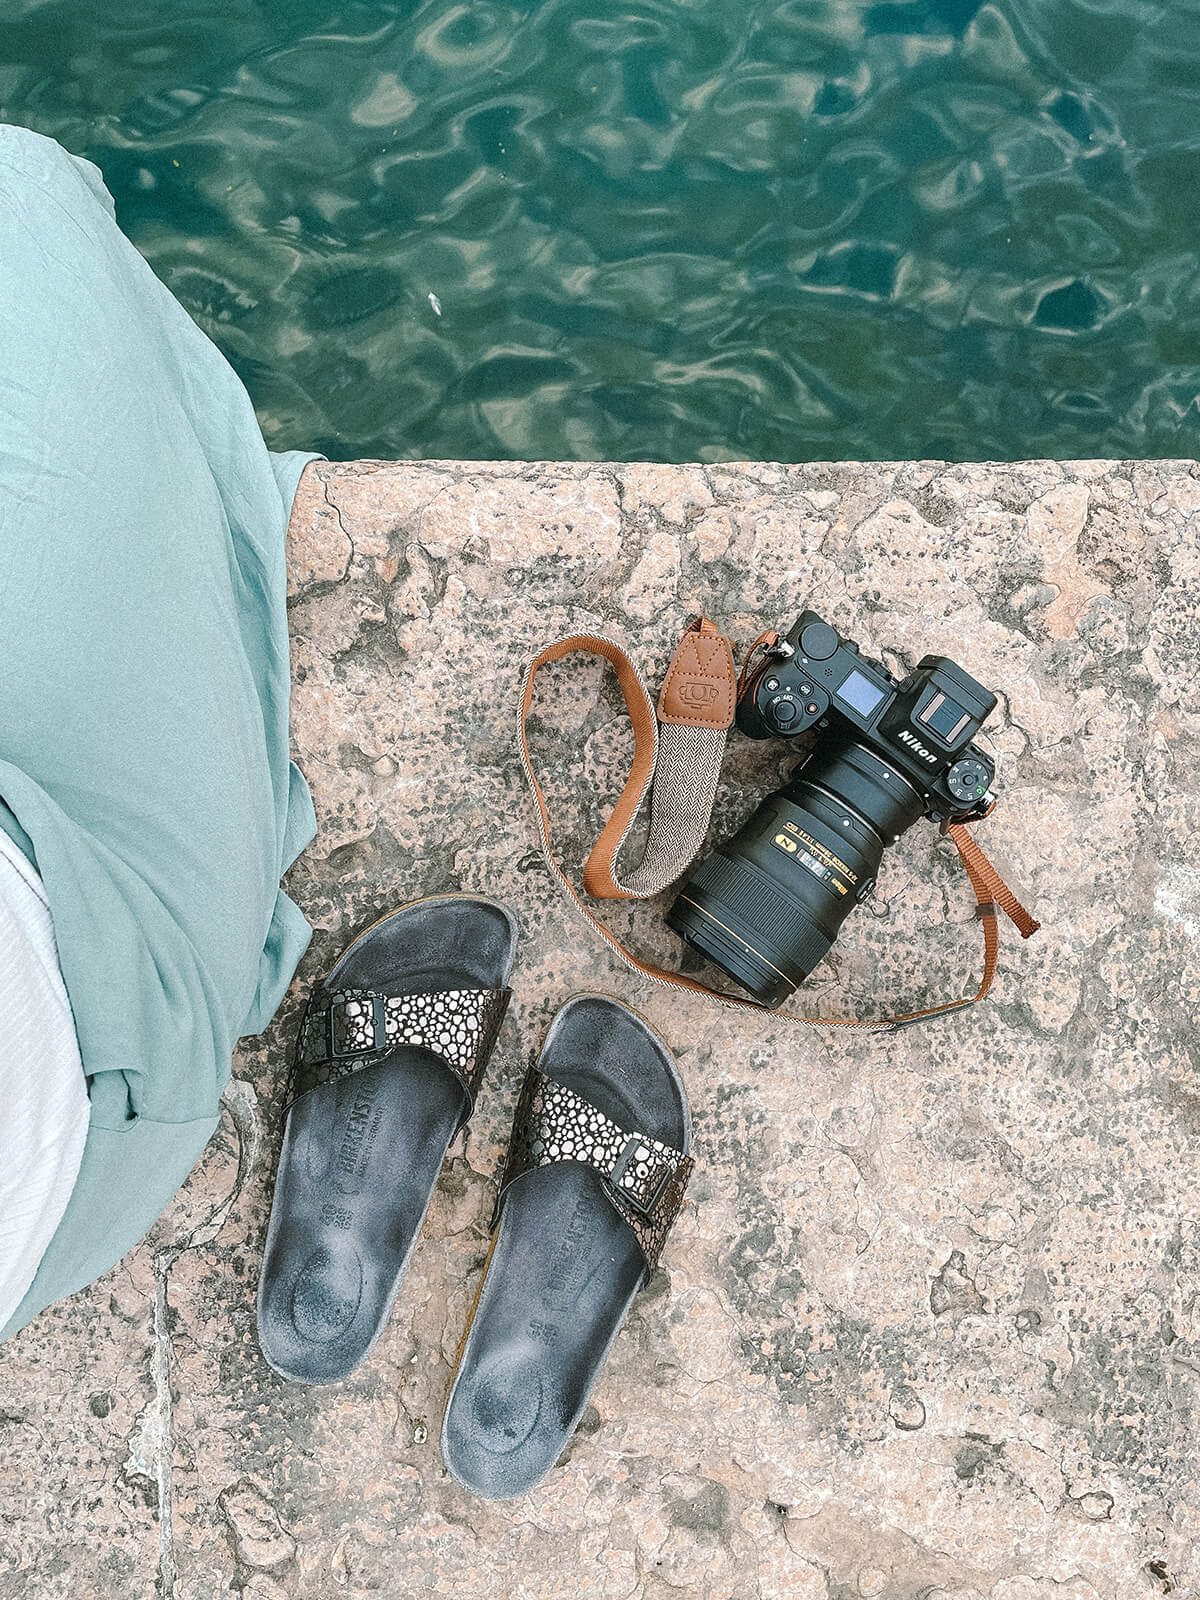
(337, 511)
(151, 1444)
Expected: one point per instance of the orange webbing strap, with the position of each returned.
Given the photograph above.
(992, 895)
(763, 642)
(991, 892)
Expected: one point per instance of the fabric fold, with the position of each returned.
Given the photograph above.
(144, 690)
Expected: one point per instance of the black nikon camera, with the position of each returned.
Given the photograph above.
(767, 906)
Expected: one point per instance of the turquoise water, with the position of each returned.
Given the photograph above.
(792, 229)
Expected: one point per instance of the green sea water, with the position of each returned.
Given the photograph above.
(660, 229)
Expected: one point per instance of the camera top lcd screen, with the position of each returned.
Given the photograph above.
(859, 693)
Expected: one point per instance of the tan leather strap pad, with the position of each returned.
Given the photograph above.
(700, 688)
(700, 660)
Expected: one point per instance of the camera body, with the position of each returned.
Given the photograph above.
(767, 905)
(922, 726)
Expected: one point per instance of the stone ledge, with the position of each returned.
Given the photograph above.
(929, 1319)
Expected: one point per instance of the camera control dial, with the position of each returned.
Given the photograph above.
(788, 705)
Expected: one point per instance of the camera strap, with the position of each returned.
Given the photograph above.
(677, 754)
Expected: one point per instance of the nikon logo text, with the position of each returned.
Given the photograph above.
(915, 745)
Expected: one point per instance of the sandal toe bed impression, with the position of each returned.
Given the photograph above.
(391, 1052)
(595, 1175)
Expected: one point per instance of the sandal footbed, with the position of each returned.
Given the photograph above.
(564, 1267)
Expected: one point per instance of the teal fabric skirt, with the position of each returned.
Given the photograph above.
(144, 684)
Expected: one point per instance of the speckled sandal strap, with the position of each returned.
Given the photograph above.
(353, 1028)
(644, 1178)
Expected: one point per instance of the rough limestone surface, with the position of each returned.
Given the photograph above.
(929, 1324)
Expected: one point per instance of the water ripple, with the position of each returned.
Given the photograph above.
(675, 229)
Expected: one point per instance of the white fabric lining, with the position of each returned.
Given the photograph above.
(43, 1094)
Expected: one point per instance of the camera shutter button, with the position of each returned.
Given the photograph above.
(819, 641)
(785, 712)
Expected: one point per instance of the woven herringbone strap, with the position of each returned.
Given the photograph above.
(678, 756)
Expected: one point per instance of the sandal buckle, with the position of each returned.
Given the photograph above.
(347, 1035)
(640, 1174)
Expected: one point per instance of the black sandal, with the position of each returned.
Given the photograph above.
(595, 1176)
(391, 1052)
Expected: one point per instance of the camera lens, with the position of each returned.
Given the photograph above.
(767, 906)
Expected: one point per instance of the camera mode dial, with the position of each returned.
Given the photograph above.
(967, 780)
